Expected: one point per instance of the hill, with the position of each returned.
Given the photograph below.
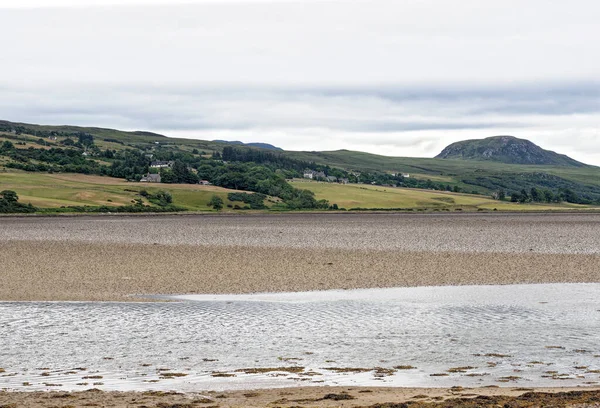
(127, 155)
(506, 149)
(252, 144)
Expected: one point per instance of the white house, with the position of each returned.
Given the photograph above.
(161, 164)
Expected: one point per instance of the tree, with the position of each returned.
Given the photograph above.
(164, 197)
(535, 195)
(7, 146)
(9, 203)
(569, 196)
(9, 196)
(216, 203)
(501, 195)
(86, 139)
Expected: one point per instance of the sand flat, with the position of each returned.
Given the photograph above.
(111, 258)
(321, 397)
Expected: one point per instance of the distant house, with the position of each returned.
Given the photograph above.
(311, 174)
(331, 179)
(150, 178)
(161, 164)
(343, 181)
(405, 175)
(204, 182)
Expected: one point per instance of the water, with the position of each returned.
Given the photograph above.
(533, 335)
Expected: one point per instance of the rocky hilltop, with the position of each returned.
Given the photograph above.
(506, 149)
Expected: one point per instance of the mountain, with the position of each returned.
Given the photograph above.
(254, 144)
(506, 149)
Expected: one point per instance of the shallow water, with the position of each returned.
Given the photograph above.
(46, 345)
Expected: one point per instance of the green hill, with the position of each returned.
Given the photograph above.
(506, 149)
(466, 168)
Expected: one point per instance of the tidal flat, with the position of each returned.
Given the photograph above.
(123, 258)
(460, 306)
(541, 335)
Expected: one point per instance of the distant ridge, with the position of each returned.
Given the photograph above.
(506, 149)
(253, 144)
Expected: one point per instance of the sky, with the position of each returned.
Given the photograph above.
(399, 78)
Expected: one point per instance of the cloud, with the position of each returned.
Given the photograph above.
(408, 121)
(397, 78)
(305, 43)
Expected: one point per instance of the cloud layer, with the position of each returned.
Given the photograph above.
(398, 78)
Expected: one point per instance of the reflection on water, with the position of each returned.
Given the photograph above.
(525, 335)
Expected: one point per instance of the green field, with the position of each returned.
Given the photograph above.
(55, 190)
(377, 197)
(480, 178)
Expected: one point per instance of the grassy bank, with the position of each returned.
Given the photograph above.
(377, 197)
(53, 191)
(45, 190)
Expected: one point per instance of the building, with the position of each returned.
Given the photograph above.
(204, 182)
(311, 174)
(161, 164)
(343, 181)
(150, 178)
(331, 179)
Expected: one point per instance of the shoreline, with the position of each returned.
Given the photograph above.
(317, 397)
(77, 271)
(264, 213)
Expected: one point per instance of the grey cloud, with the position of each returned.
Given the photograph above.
(368, 110)
(384, 76)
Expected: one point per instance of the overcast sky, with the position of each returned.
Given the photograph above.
(402, 78)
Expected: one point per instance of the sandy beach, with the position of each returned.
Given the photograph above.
(124, 258)
(373, 397)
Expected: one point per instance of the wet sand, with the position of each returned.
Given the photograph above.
(315, 397)
(113, 258)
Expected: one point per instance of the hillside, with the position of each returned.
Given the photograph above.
(506, 149)
(252, 144)
(128, 154)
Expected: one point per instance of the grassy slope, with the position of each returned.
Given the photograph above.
(435, 168)
(439, 170)
(365, 196)
(56, 190)
(128, 138)
(444, 170)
